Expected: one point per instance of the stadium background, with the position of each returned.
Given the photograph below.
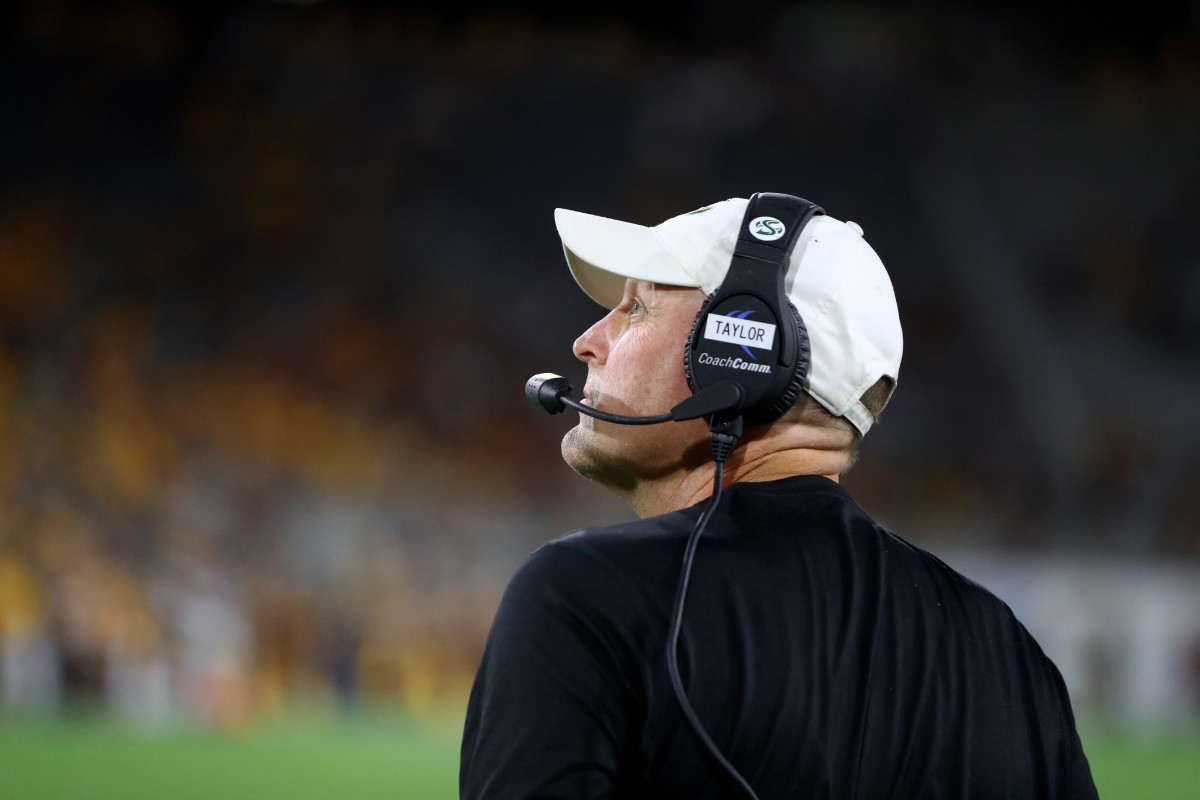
(272, 275)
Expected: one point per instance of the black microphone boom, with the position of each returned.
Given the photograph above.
(551, 393)
(608, 416)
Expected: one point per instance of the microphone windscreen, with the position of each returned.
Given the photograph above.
(545, 390)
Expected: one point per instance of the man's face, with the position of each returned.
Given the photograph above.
(635, 366)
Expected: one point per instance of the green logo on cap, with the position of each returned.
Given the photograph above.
(766, 228)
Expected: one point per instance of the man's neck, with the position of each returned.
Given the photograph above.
(755, 462)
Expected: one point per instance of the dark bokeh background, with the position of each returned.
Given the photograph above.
(272, 276)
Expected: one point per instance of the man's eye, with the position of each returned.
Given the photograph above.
(635, 307)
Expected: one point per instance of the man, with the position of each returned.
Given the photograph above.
(821, 655)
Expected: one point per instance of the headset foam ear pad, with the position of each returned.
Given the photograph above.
(687, 346)
(787, 398)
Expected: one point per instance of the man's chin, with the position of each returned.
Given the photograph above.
(583, 451)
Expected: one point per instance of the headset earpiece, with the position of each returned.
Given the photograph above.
(748, 331)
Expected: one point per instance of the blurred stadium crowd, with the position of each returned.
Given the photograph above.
(271, 277)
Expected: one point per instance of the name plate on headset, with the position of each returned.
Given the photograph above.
(737, 330)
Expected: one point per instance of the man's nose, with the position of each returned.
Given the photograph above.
(591, 345)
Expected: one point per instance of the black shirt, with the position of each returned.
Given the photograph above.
(826, 657)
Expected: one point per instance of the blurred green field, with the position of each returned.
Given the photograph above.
(300, 759)
(377, 757)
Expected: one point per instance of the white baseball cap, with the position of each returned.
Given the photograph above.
(836, 281)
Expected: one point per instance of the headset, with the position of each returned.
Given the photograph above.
(746, 360)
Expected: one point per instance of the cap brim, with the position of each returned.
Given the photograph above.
(602, 253)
